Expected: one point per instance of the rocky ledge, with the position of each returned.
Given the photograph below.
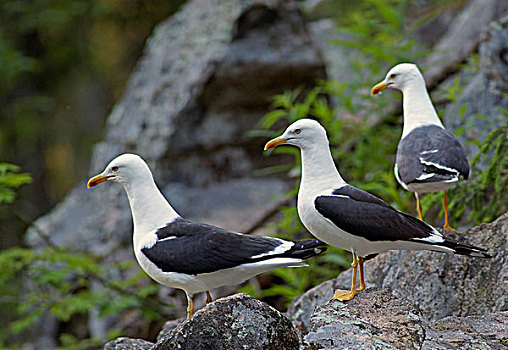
(375, 319)
(415, 300)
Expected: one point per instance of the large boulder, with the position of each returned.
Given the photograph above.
(483, 90)
(438, 284)
(205, 79)
(376, 319)
(235, 322)
(462, 37)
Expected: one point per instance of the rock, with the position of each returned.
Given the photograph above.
(473, 332)
(482, 91)
(235, 322)
(236, 204)
(193, 133)
(439, 284)
(169, 327)
(375, 319)
(462, 38)
(128, 344)
(204, 81)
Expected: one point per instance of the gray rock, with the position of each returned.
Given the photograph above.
(376, 319)
(462, 38)
(204, 80)
(336, 57)
(235, 322)
(473, 332)
(483, 91)
(192, 132)
(128, 344)
(439, 301)
(439, 284)
(168, 328)
(236, 204)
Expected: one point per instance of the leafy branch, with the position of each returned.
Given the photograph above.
(64, 284)
(11, 179)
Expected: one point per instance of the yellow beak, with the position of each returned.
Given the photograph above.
(275, 142)
(97, 179)
(379, 87)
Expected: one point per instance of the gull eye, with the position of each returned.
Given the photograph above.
(115, 168)
(297, 131)
(393, 76)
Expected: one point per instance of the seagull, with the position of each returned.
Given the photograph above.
(192, 256)
(349, 218)
(429, 157)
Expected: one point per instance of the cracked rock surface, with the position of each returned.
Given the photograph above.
(235, 322)
(438, 284)
(376, 319)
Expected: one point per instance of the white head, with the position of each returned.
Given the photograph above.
(400, 77)
(303, 133)
(124, 169)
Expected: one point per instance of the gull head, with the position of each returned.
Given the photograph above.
(303, 133)
(399, 77)
(124, 169)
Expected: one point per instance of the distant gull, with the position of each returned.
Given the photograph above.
(192, 256)
(429, 158)
(349, 218)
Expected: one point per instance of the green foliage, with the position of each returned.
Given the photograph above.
(69, 341)
(60, 284)
(10, 179)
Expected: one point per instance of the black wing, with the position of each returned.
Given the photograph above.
(431, 154)
(363, 214)
(194, 248)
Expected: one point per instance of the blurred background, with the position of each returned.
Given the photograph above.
(198, 100)
(63, 66)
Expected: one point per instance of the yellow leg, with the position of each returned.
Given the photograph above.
(362, 280)
(208, 297)
(190, 305)
(418, 206)
(445, 205)
(342, 295)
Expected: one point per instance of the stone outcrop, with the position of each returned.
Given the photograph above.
(484, 90)
(472, 332)
(438, 284)
(374, 320)
(236, 322)
(204, 81)
(462, 38)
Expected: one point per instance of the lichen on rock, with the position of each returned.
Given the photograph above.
(235, 322)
